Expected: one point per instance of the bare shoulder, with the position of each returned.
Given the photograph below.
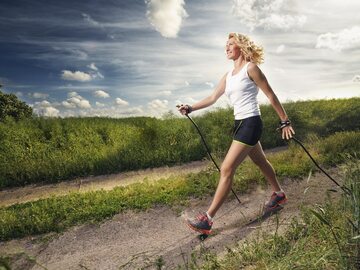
(254, 71)
(253, 68)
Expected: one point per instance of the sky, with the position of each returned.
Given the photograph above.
(120, 58)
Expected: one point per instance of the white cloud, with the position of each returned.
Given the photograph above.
(68, 105)
(90, 20)
(165, 93)
(50, 112)
(187, 100)
(187, 83)
(75, 76)
(65, 52)
(38, 95)
(72, 94)
(266, 14)
(96, 74)
(76, 101)
(101, 94)
(45, 108)
(113, 111)
(43, 104)
(99, 104)
(280, 48)
(134, 111)
(283, 22)
(356, 79)
(81, 103)
(158, 104)
(92, 66)
(121, 102)
(166, 16)
(190, 100)
(210, 84)
(178, 102)
(346, 39)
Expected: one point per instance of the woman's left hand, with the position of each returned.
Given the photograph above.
(287, 132)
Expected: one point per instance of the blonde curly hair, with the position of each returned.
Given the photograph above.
(250, 50)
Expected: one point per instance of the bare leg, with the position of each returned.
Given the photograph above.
(236, 154)
(257, 155)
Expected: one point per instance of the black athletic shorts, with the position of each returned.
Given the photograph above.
(248, 131)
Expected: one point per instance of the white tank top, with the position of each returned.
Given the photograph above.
(242, 93)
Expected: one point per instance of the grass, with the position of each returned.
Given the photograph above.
(324, 237)
(53, 149)
(55, 214)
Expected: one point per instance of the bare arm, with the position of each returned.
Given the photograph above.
(210, 100)
(259, 78)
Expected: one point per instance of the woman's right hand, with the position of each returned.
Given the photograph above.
(184, 109)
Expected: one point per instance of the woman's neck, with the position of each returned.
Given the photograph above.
(239, 63)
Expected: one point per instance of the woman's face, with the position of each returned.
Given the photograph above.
(232, 50)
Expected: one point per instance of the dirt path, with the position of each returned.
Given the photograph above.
(106, 182)
(137, 240)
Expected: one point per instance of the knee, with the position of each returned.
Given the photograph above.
(226, 171)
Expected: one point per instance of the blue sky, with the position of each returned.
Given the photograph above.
(128, 58)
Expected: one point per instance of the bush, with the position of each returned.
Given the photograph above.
(11, 106)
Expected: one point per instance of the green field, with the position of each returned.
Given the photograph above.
(51, 150)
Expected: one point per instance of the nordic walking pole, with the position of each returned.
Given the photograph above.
(287, 123)
(208, 151)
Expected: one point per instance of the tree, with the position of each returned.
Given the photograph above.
(10, 105)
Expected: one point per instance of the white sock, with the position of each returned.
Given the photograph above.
(279, 192)
(208, 216)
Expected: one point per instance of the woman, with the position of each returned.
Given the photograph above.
(241, 86)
